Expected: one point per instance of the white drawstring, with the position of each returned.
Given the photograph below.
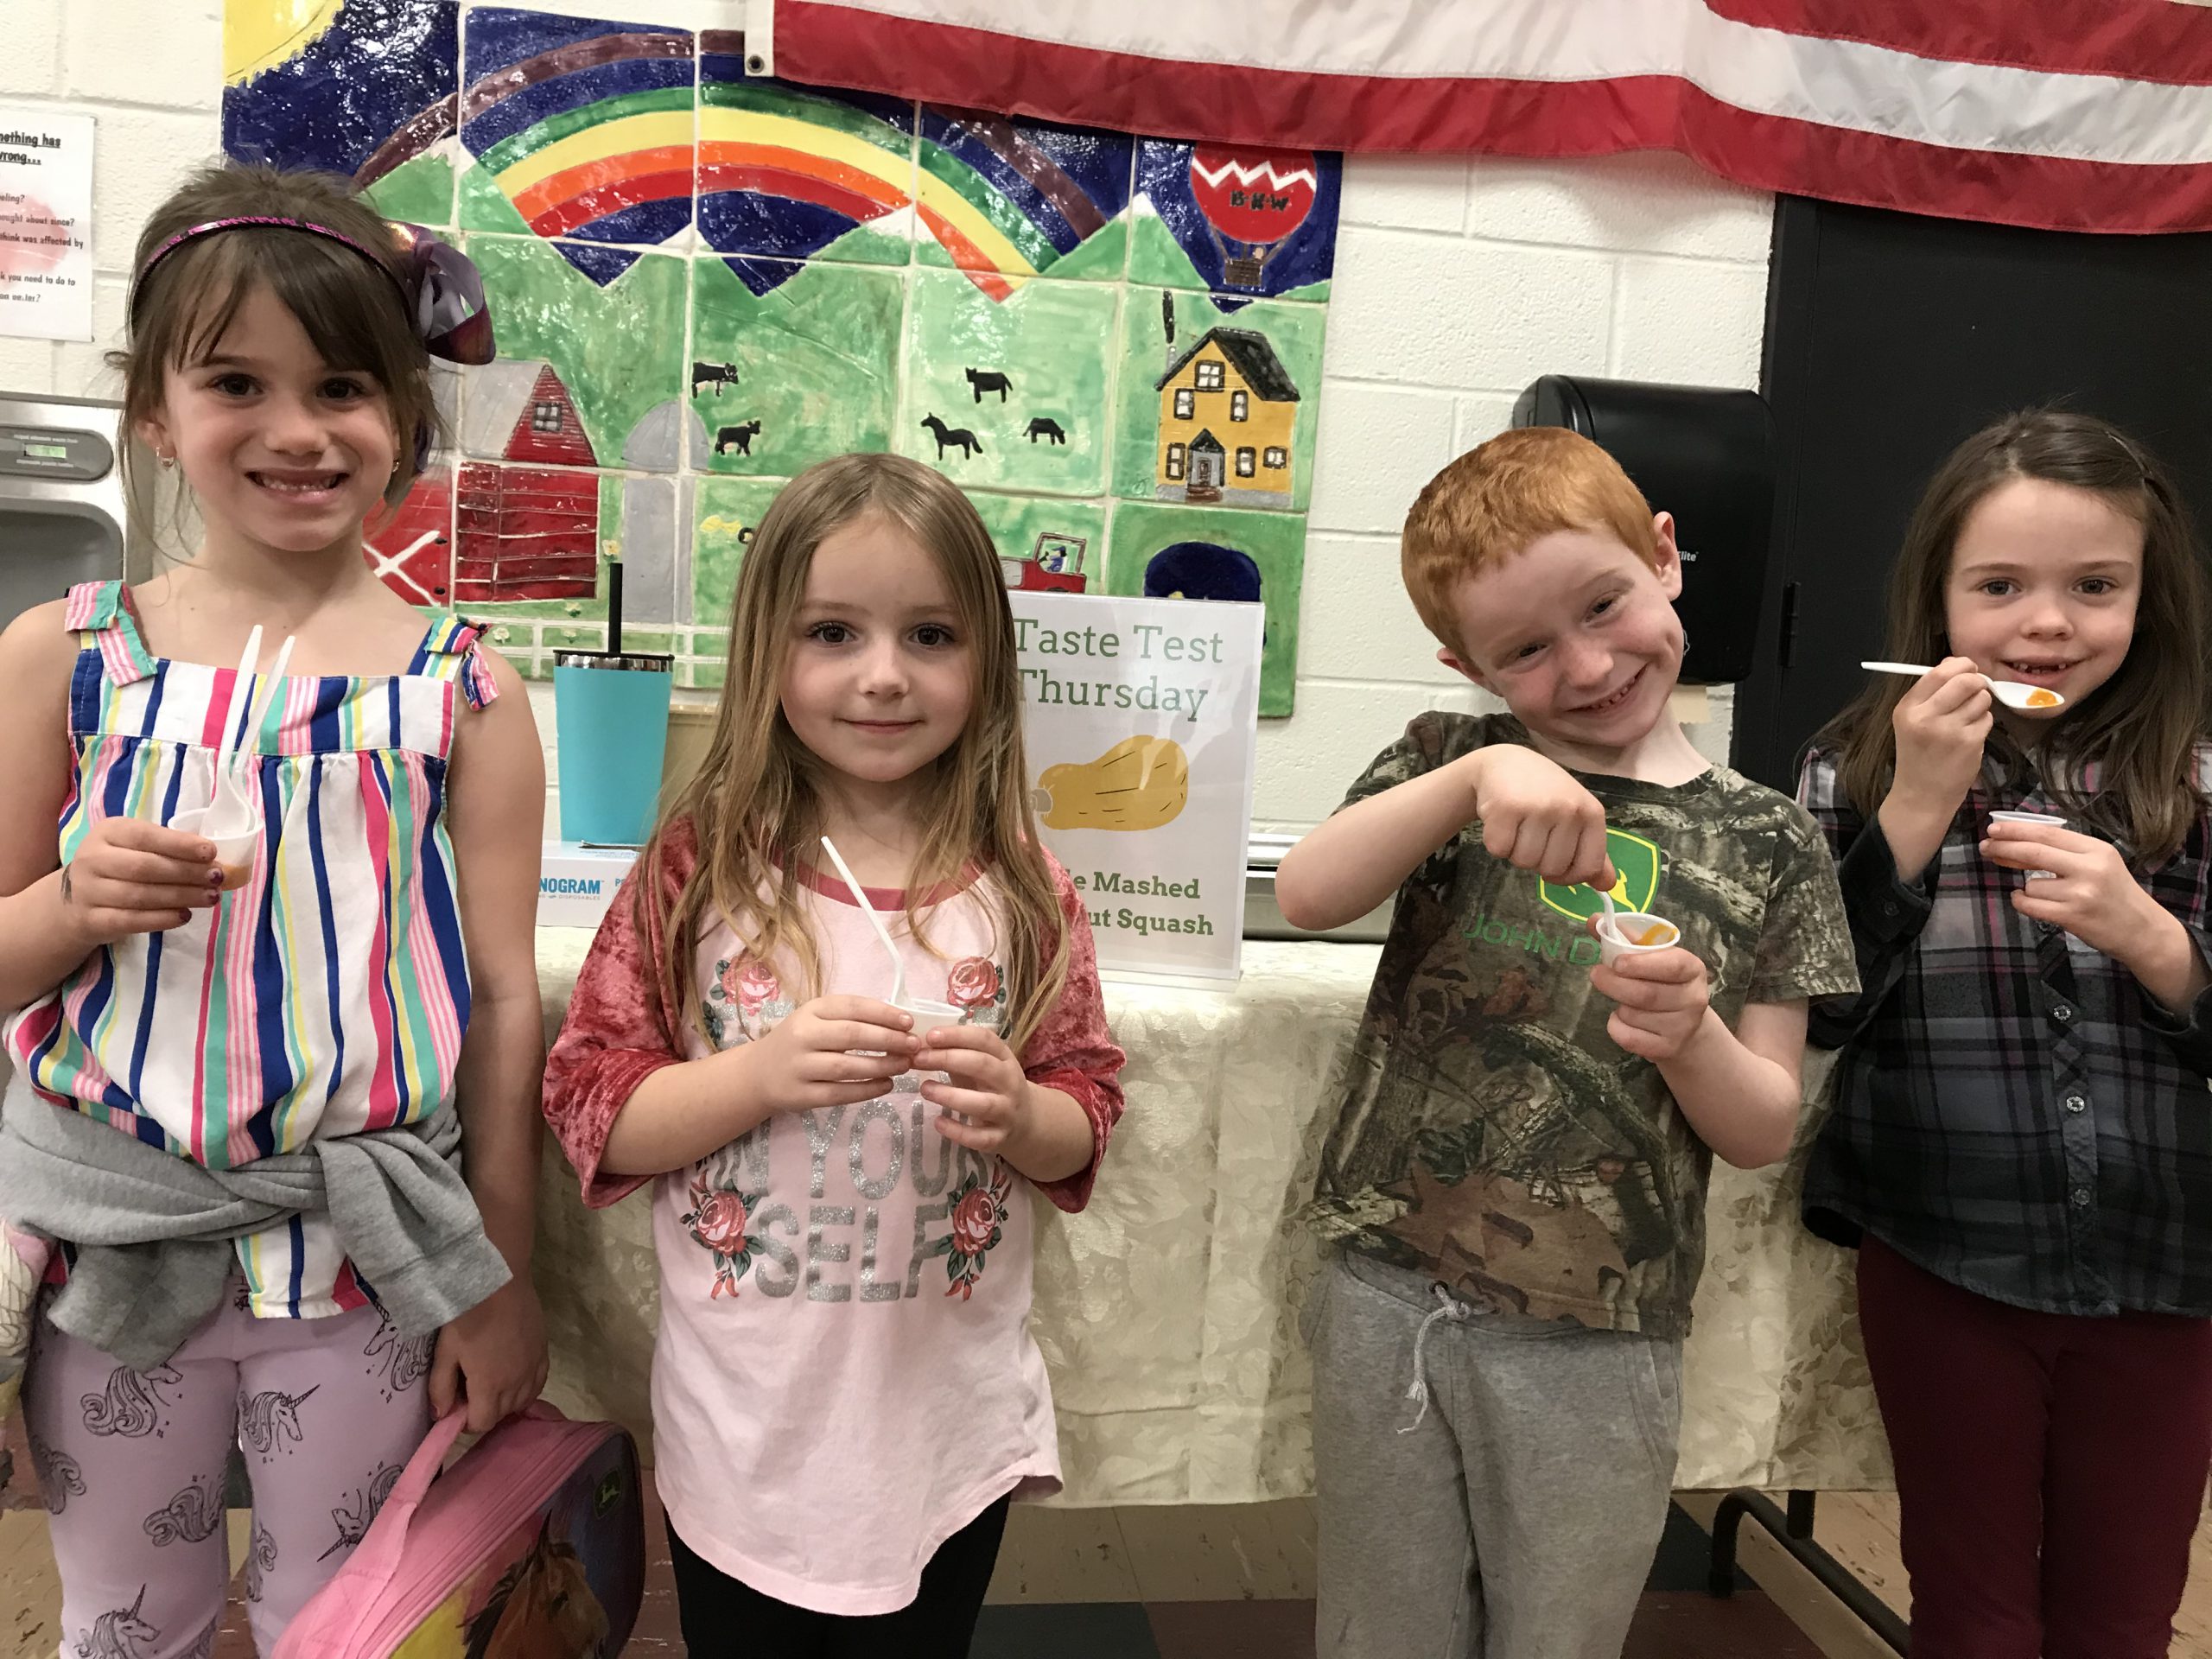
(1445, 1308)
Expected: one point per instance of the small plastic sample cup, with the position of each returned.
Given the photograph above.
(2031, 818)
(1634, 933)
(928, 1016)
(233, 852)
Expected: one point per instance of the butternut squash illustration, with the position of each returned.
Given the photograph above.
(1140, 782)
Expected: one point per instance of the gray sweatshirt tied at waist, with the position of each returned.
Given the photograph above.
(155, 1235)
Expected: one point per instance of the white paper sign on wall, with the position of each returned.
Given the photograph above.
(1142, 722)
(46, 223)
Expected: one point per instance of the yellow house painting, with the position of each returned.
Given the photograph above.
(1227, 413)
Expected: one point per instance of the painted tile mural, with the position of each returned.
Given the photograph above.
(704, 281)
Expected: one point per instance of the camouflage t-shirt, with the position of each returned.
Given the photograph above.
(1494, 1137)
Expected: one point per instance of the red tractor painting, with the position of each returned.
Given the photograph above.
(1055, 565)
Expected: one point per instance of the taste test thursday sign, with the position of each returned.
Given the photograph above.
(1142, 723)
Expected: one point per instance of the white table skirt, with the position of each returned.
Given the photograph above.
(1168, 1311)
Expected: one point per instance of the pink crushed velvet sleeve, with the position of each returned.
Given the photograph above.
(619, 1031)
(1072, 1050)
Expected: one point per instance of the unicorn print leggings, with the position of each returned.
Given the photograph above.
(132, 1464)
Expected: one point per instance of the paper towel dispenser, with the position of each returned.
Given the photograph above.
(1706, 454)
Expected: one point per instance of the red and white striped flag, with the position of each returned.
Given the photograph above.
(2071, 114)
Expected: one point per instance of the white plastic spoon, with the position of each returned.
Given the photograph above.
(240, 694)
(2010, 693)
(229, 816)
(258, 713)
(860, 897)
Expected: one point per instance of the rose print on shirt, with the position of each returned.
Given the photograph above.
(744, 1000)
(974, 986)
(718, 1220)
(978, 1216)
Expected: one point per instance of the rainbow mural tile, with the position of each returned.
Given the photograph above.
(789, 173)
(580, 130)
(365, 89)
(1005, 197)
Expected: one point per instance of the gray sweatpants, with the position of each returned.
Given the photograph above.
(1518, 1517)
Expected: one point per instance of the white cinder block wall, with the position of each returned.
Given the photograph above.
(1458, 282)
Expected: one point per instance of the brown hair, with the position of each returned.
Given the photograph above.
(754, 804)
(352, 313)
(1494, 501)
(2141, 728)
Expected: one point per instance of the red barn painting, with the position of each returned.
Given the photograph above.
(525, 533)
(525, 526)
(547, 430)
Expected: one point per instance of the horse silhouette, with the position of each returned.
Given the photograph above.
(543, 1608)
(1044, 427)
(947, 437)
(739, 437)
(983, 380)
(716, 375)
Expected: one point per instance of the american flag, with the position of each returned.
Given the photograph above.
(2087, 115)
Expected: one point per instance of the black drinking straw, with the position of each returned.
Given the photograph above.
(615, 607)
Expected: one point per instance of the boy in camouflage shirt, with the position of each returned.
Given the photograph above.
(1515, 1188)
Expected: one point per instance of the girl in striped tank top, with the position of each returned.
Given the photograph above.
(233, 1133)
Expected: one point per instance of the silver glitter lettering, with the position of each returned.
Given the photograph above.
(818, 1216)
(773, 1216)
(870, 1290)
(821, 1135)
(742, 1165)
(753, 1146)
(927, 1187)
(924, 1246)
(877, 1111)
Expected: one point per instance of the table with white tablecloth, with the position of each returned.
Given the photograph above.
(1168, 1310)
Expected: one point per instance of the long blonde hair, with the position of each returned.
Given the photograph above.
(755, 806)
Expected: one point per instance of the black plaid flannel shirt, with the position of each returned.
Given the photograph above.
(2012, 1112)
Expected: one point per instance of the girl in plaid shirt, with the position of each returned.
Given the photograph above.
(2021, 1139)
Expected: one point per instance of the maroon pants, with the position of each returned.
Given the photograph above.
(2050, 1469)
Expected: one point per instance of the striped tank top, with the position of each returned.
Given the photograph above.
(328, 995)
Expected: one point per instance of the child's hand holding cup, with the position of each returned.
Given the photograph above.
(2049, 818)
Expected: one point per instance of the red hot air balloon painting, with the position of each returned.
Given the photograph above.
(1252, 200)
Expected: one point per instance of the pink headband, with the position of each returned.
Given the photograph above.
(441, 286)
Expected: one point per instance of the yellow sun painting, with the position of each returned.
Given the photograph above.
(258, 34)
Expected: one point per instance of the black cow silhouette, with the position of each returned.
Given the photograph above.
(739, 437)
(985, 380)
(716, 375)
(1046, 427)
(947, 437)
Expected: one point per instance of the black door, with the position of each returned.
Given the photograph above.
(1891, 337)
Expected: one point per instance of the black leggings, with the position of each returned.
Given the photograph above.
(724, 1619)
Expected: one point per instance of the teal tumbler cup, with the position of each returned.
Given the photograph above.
(610, 711)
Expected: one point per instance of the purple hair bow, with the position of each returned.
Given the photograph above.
(446, 291)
